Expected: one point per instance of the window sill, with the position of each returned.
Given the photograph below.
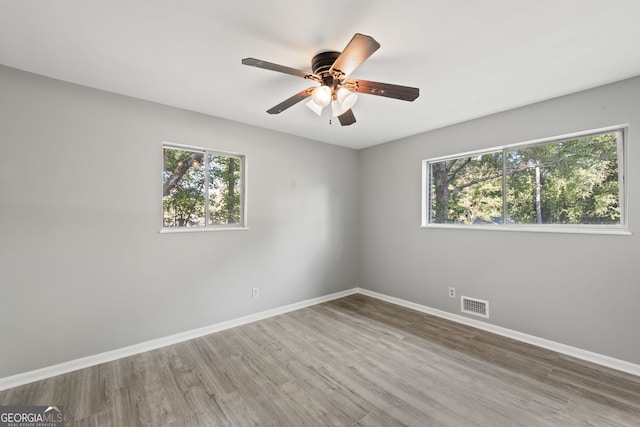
(201, 229)
(618, 231)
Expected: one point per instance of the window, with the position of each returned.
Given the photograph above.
(202, 188)
(573, 182)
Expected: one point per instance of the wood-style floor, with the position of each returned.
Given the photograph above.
(356, 361)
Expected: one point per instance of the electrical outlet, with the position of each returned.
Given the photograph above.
(452, 292)
(255, 292)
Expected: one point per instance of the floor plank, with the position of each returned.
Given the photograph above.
(355, 361)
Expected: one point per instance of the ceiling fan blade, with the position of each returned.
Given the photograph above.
(355, 53)
(291, 101)
(347, 118)
(404, 93)
(280, 68)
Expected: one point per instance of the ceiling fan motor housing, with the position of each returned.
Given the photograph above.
(321, 64)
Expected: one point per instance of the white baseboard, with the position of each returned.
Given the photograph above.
(85, 362)
(578, 353)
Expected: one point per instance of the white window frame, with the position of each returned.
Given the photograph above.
(619, 229)
(242, 190)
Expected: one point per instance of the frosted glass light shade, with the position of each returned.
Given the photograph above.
(336, 108)
(321, 95)
(314, 107)
(347, 98)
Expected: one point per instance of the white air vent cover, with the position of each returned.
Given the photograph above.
(475, 306)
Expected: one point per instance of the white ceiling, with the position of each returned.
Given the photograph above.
(469, 58)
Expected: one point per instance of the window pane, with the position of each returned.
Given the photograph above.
(467, 190)
(224, 190)
(565, 182)
(183, 181)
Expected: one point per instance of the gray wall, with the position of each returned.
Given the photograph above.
(83, 267)
(579, 290)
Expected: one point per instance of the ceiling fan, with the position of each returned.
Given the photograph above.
(330, 69)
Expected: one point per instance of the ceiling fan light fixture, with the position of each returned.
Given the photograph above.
(321, 95)
(314, 107)
(347, 98)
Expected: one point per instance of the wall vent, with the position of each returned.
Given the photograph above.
(475, 306)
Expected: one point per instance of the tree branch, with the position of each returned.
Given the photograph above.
(458, 169)
(487, 178)
(179, 172)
